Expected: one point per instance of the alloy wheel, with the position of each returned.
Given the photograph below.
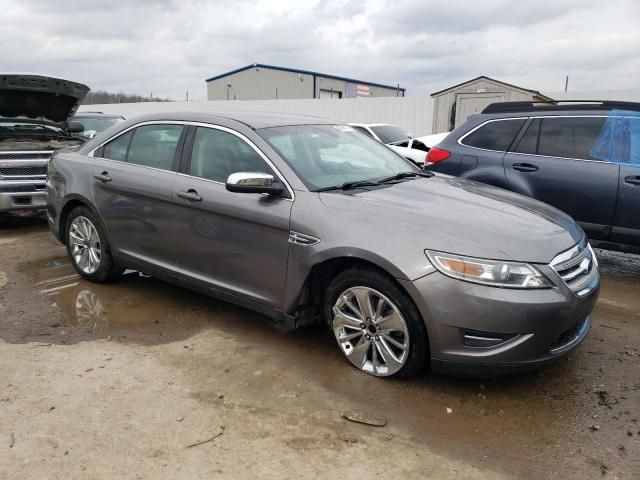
(371, 331)
(85, 245)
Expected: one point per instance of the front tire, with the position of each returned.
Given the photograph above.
(88, 248)
(375, 323)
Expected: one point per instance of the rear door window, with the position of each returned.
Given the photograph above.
(495, 135)
(154, 146)
(569, 137)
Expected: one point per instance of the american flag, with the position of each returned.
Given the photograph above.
(354, 90)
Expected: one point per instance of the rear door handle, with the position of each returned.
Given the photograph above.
(103, 177)
(524, 167)
(633, 180)
(190, 195)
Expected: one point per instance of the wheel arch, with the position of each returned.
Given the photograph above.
(71, 202)
(309, 299)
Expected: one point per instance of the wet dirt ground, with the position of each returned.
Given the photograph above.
(119, 380)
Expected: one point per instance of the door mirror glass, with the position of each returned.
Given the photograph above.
(253, 182)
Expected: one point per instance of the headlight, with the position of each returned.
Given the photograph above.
(489, 272)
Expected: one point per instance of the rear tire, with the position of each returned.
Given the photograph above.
(384, 335)
(88, 247)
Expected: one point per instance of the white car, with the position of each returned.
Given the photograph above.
(397, 139)
(433, 139)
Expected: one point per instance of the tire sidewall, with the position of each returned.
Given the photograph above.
(104, 271)
(365, 277)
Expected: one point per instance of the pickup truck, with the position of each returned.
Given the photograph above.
(35, 114)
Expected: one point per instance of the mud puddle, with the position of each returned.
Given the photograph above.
(135, 308)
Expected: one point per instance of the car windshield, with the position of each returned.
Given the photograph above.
(390, 133)
(326, 156)
(93, 125)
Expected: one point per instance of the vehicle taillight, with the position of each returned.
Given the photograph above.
(436, 155)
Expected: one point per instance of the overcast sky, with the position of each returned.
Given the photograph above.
(167, 47)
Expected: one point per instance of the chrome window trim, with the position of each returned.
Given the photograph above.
(141, 124)
(459, 141)
(253, 146)
(204, 125)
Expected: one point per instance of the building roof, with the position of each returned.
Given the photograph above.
(304, 72)
(484, 77)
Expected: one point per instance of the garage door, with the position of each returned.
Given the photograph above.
(330, 94)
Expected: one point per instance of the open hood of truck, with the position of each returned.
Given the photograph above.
(38, 97)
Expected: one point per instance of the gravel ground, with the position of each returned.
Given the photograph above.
(121, 380)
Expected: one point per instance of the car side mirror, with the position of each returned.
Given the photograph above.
(75, 127)
(253, 182)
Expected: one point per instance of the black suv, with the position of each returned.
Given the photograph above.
(583, 158)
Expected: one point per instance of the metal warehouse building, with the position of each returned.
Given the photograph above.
(265, 82)
(453, 105)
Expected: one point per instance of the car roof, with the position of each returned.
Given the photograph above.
(540, 113)
(252, 119)
(371, 124)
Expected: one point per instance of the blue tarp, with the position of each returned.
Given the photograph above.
(619, 139)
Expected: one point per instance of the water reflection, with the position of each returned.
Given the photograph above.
(90, 312)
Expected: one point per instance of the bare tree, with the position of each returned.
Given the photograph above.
(101, 97)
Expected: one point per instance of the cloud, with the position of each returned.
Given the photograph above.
(167, 47)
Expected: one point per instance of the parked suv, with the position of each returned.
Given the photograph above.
(305, 220)
(35, 114)
(583, 158)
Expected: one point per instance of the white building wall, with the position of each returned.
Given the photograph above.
(414, 114)
(411, 113)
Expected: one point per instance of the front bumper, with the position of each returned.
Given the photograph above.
(23, 201)
(539, 325)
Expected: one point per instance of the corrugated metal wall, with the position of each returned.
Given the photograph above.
(412, 113)
(415, 114)
(444, 102)
(262, 83)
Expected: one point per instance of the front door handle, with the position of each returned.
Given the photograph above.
(103, 177)
(633, 180)
(524, 167)
(190, 195)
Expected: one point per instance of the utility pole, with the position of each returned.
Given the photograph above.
(566, 83)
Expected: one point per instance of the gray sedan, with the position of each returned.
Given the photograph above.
(308, 221)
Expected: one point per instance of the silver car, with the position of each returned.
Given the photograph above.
(307, 221)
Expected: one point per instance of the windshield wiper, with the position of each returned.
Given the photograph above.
(402, 175)
(349, 186)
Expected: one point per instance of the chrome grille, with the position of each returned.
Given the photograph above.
(578, 268)
(23, 171)
(25, 155)
(18, 165)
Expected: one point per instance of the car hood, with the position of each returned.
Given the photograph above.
(53, 100)
(459, 216)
